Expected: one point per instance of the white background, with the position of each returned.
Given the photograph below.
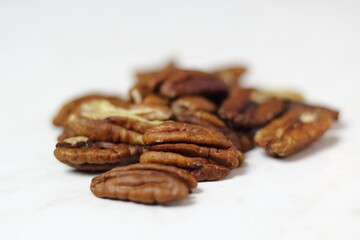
(51, 51)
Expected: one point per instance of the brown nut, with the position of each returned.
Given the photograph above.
(231, 75)
(86, 155)
(149, 82)
(202, 169)
(298, 105)
(155, 99)
(209, 172)
(230, 157)
(144, 183)
(241, 140)
(245, 113)
(185, 82)
(192, 103)
(201, 118)
(288, 95)
(151, 111)
(293, 131)
(62, 116)
(100, 120)
(175, 132)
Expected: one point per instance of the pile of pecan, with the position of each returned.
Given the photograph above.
(179, 127)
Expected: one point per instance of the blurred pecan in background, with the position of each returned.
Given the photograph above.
(293, 131)
(245, 112)
(188, 82)
(231, 75)
(192, 103)
(149, 82)
(144, 183)
(86, 155)
(63, 114)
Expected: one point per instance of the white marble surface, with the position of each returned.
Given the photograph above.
(53, 50)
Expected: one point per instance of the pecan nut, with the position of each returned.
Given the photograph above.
(246, 113)
(148, 82)
(144, 183)
(151, 111)
(293, 131)
(192, 103)
(100, 120)
(200, 168)
(186, 82)
(86, 155)
(205, 152)
(175, 132)
(62, 116)
(241, 140)
(231, 75)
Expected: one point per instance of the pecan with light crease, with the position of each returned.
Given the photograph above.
(245, 113)
(188, 82)
(148, 82)
(86, 155)
(231, 75)
(151, 111)
(144, 183)
(155, 99)
(62, 116)
(100, 120)
(192, 103)
(293, 131)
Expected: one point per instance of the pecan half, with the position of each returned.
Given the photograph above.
(201, 118)
(151, 111)
(155, 99)
(200, 168)
(186, 82)
(62, 116)
(192, 103)
(100, 120)
(243, 112)
(144, 183)
(149, 82)
(86, 155)
(230, 157)
(231, 75)
(175, 132)
(298, 105)
(192, 147)
(293, 131)
(241, 140)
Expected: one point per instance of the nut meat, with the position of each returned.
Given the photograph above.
(86, 155)
(102, 121)
(293, 131)
(144, 183)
